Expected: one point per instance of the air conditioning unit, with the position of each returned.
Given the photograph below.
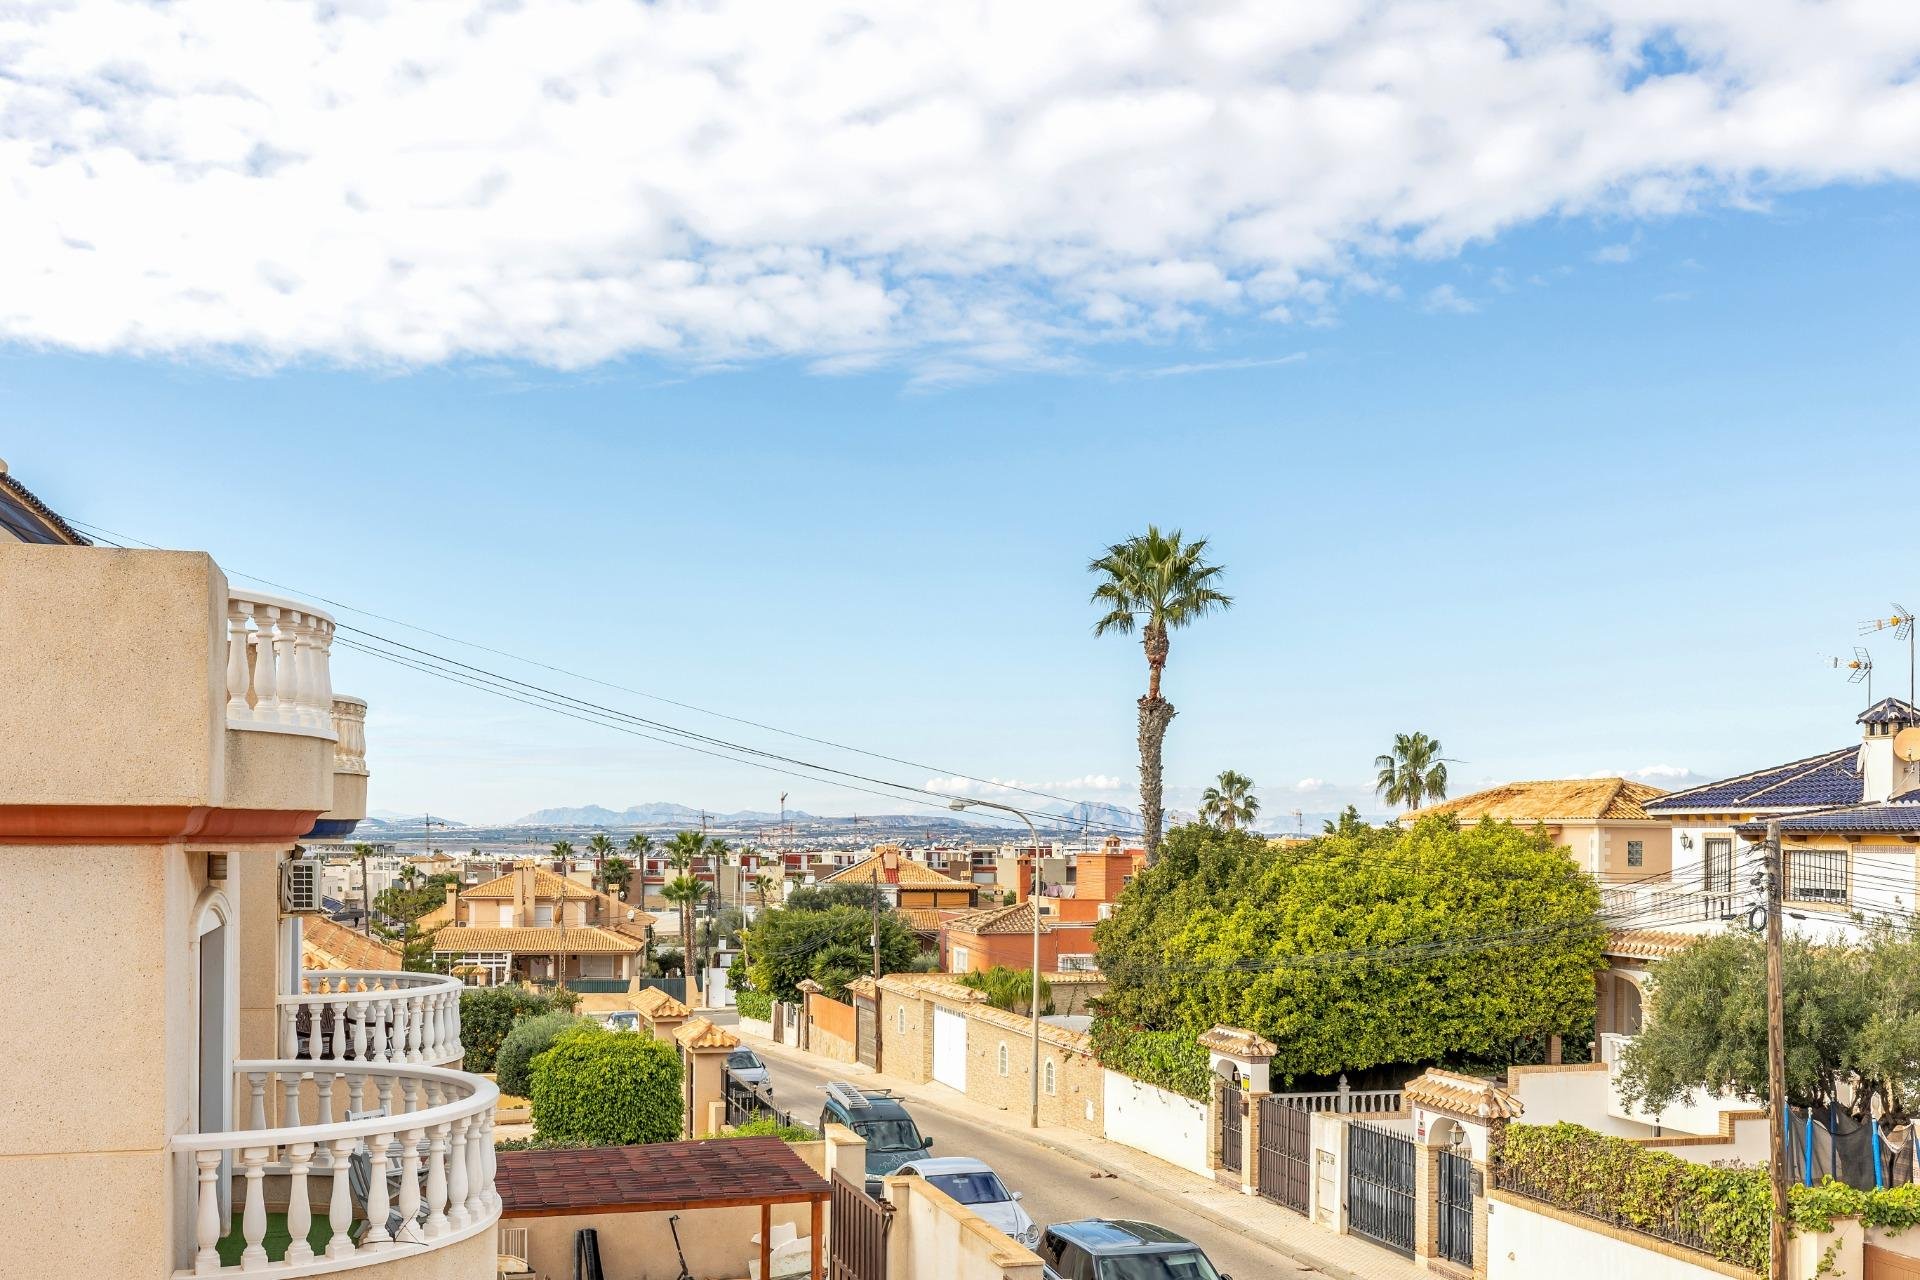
(300, 886)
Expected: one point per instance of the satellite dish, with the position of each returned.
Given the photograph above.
(1906, 744)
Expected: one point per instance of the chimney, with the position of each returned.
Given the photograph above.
(890, 864)
(1883, 775)
(453, 902)
(524, 894)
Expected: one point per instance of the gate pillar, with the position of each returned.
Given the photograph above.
(703, 1054)
(1459, 1117)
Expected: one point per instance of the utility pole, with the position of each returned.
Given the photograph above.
(1776, 1059)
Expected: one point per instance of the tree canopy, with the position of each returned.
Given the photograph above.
(1355, 950)
(788, 945)
(1851, 1011)
(1413, 773)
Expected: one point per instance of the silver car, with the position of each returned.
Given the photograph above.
(745, 1066)
(977, 1186)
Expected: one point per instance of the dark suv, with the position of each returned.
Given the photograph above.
(1100, 1249)
(878, 1116)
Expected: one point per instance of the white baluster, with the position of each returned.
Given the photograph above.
(257, 1112)
(356, 1084)
(290, 1100)
(323, 1098)
(377, 1237)
(238, 676)
(437, 1224)
(290, 1029)
(476, 1171)
(322, 686)
(253, 1220)
(359, 1031)
(316, 1014)
(207, 1225)
(299, 1206)
(458, 1216)
(490, 1161)
(266, 687)
(304, 708)
(416, 1028)
(409, 1204)
(398, 1048)
(385, 1086)
(286, 667)
(340, 1203)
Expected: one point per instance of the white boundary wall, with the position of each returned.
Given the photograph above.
(1523, 1245)
(1150, 1119)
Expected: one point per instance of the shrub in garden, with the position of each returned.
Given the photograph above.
(612, 1088)
(529, 1038)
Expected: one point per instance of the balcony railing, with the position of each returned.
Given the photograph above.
(372, 1016)
(1667, 907)
(416, 1173)
(350, 735)
(279, 676)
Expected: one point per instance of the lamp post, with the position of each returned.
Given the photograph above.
(1033, 892)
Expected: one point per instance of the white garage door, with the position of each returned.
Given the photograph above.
(950, 1049)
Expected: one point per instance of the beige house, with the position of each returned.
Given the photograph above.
(171, 739)
(1602, 822)
(536, 924)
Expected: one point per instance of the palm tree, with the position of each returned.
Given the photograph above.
(1230, 802)
(1414, 773)
(684, 891)
(599, 845)
(686, 846)
(563, 853)
(763, 885)
(616, 874)
(1159, 583)
(1349, 823)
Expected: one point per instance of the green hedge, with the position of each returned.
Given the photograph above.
(757, 1005)
(1725, 1210)
(611, 1087)
(529, 1038)
(488, 1013)
(1170, 1059)
(768, 1127)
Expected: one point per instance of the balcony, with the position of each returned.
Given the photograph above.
(279, 672)
(372, 1017)
(429, 1136)
(1671, 908)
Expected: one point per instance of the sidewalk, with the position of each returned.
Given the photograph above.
(1340, 1257)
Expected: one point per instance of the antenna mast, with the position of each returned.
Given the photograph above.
(1901, 624)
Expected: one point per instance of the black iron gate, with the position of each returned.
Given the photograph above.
(859, 1235)
(1232, 1104)
(1380, 1186)
(1456, 1208)
(1285, 1169)
(747, 1103)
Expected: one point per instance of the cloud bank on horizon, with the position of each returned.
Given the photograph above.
(942, 187)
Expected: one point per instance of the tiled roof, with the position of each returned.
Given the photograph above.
(1648, 944)
(1455, 1094)
(326, 945)
(546, 884)
(547, 940)
(655, 1003)
(1574, 799)
(1238, 1043)
(23, 497)
(1899, 816)
(1017, 918)
(928, 919)
(1889, 711)
(1832, 778)
(913, 875)
(438, 918)
(702, 1034)
(657, 1176)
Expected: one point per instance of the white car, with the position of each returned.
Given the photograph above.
(978, 1187)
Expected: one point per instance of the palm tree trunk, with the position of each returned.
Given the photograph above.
(1155, 714)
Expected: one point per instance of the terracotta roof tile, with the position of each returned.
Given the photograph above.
(1238, 1043)
(913, 875)
(702, 1034)
(1459, 1095)
(1648, 944)
(326, 945)
(1017, 918)
(1572, 799)
(658, 1176)
(545, 940)
(656, 1003)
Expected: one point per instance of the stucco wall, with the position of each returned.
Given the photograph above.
(639, 1246)
(1525, 1243)
(1155, 1121)
(832, 1030)
(934, 1235)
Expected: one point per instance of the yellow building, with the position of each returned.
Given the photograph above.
(1602, 822)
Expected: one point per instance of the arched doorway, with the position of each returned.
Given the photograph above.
(215, 944)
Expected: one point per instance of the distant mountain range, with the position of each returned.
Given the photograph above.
(645, 815)
(388, 818)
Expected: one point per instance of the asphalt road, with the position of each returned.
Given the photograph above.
(1058, 1187)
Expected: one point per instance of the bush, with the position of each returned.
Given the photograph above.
(757, 1005)
(1170, 1059)
(607, 1087)
(529, 1038)
(768, 1127)
(488, 1013)
(1009, 989)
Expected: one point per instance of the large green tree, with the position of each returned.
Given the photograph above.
(600, 845)
(1852, 1018)
(685, 891)
(1230, 802)
(789, 944)
(1350, 951)
(1156, 583)
(1413, 772)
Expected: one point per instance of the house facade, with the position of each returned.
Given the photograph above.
(903, 883)
(172, 740)
(532, 923)
(1603, 823)
(1004, 936)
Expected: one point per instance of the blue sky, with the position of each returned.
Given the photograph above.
(1608, 521)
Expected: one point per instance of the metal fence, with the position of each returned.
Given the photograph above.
(747, 1103)
(1591, 1204)
(859, 1237)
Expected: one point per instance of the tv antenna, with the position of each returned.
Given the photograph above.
(1901, 624)
(1860, 668)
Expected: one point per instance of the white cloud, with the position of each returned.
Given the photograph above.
(1446, 300)
(953, 187)
(996, 787)
(1313, 784)
(1216, 366)
(1613, 254)
(1665, 775)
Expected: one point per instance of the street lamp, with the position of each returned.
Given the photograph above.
(1033, 892)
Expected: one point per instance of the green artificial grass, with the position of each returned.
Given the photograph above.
(233, 1244)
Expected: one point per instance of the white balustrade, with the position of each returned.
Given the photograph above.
(429, 1154)
(372, 1016)
(279, 667)
(350, 735)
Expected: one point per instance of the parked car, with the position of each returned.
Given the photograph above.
(975, 1185)
(623, 1022)
(876, 1115)
(745, 1066)
(1108, 1249)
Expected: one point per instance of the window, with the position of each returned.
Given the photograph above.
(506, 915)
(971, 1188)
(1817, 875)
(1186, 1265)
(900, 1019)
(1719, 864)
(960, 958)
(1003, 1057)
(1076, 963)
(1047, 1076)
(542, 914)
(1636, 853)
